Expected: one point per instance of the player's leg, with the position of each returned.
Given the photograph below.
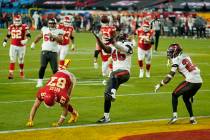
(105, 70)
(157, 36)
(141, 55)
(96, 53)
(148, 58)
(21, 55)
(188, 99)
(44, 61)
(12, 55)
(53, 61)
(63, 53)
(180, 89)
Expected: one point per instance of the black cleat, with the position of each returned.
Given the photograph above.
(173, 120)
(104, 120)
(193, 121)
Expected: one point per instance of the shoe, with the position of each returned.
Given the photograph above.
(193, 121)
(173, 120)
(141, 73)
(11, 75)
(74, 117)
(104, 120)
(148, 74)
(22, 75)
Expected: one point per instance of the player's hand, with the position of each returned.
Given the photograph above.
(95, 64)
(157, 87)
(30, 123)
(33, 45)
(24, 42)
(73, 48)
(55, 124)
(4, 44)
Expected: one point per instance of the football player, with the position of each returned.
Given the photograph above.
(188, 88)
(19, 34)
(121, 56)
(51, 37)
(107, 34)
(145, 42)
(68, 38)
(57, 89)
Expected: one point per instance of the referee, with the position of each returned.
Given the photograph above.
(156, 26)
(51, 37)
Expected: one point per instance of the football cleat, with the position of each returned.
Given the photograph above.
(104, 120)
(74, 117)
(11, 75)
(148, 74)
(22, 75)
(141, 73)
(30, 123)
(173, 120)
(39, 84)
(193, 121)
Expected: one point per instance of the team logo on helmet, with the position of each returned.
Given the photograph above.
(67, 63)
(17, 20)
(174, 50)
(49, 99)
(67, 21)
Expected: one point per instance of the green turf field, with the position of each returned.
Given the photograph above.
(136, 100)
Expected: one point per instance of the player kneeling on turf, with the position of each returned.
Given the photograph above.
(188, 87)
(58, 89)
(121, 56)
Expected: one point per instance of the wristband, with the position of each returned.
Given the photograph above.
(63, 117)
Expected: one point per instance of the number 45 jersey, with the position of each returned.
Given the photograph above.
(184, 65)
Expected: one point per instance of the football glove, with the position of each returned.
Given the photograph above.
(73, 48)
(24, 42)
(95, 64)
(33, 45)
(157, 87)
(4, 44)
(30, 123)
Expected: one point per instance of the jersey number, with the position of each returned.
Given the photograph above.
(118, 56)
(57, 82)
(16, 34)
(188, 65)
(47, 38)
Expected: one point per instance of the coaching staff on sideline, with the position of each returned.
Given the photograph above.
(51, 37)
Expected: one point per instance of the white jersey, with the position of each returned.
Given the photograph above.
(120, 56)
(185, 66)
(48, 44)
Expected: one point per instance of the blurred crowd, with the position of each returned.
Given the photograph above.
(185, 25)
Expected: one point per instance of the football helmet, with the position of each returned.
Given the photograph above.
(174, 50)
(122, 37)
(17, 20)
(49, 99)
(146, 26)
(52, 23)
(67, 21)
(104, 20)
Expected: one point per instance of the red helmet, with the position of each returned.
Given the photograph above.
(17, 20)
(49, 99)
(174, 50)
(145, 26)
(104, 20)
(67, 21)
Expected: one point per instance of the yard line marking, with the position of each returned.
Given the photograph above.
(93, 125)
(93, 97)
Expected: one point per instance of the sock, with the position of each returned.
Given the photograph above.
(174, 103)
(148, 67)
(107, 106)
(106, 115)
(140, 63)
(11, 67)
(175, 114)
(61, 62)
(21, 67)
(70, 108)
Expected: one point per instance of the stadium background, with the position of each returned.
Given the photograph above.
(138, 109)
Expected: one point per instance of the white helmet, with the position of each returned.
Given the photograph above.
(17, 20)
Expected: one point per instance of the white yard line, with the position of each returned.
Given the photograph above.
(92, 125)
(94, 97)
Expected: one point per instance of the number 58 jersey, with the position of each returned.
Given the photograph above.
(185, 66)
